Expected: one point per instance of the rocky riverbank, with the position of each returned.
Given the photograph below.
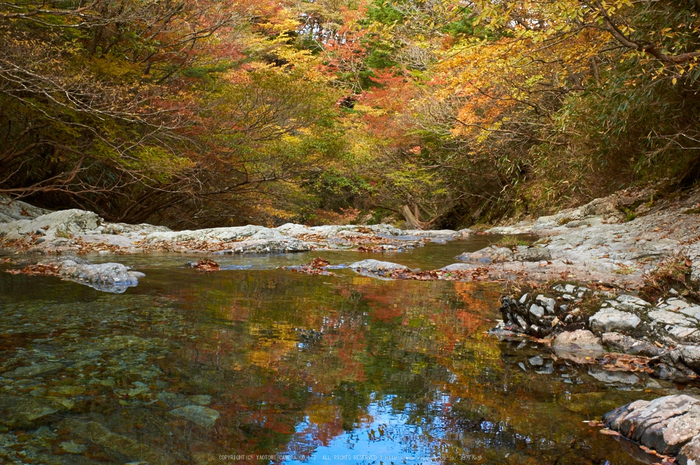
(576, 293)
(28, 229)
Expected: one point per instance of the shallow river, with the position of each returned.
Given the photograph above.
(260, 365)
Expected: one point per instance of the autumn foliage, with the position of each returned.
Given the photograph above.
(221, 112)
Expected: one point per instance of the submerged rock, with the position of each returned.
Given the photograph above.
(202, 416)
(22, 412)
(116, 444)
(36, 369)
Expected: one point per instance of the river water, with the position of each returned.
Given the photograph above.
(256, 364)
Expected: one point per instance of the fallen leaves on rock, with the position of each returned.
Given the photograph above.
(433, 275)
(40, 269)
(630, 363)
(206, 265)
(317, 266)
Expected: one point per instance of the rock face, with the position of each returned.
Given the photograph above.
(609, 320)
(61, 223)
(17, 210)
(670, 425)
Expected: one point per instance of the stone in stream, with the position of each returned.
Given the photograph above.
(666, 424)
(21, 412)
(580, 346)
(376, 266)
(203, 416)
(36, 369)
(115, 444)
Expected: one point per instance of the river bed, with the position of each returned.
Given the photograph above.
(255, 364)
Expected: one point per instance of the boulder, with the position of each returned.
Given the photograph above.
(460, 267)
(106, 277)
(488, 255)
(669, 318)
(665, 424)
(532, 254)
(580, 346)
(63, 223)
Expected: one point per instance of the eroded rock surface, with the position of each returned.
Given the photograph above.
(670, 425)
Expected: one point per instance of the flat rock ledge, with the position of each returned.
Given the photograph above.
(670, 425)
(596, 243)
(29, 229)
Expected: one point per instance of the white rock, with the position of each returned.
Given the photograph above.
(547, 302)
(609, 320)
(693, 311)
(669, 318)
(633, 300)
(376, 265)
(536, 311)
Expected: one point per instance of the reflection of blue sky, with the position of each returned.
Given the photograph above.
(387, 438)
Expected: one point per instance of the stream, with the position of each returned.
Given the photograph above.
(255, 364)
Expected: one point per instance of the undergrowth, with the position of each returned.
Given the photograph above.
(671, 273)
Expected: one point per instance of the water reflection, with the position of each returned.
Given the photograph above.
(270, 366)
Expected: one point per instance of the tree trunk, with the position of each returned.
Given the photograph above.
(411, 218)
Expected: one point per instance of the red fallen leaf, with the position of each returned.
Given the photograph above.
(319, 263)
(14, 271)
(39, 269)
(206, 265)
(609, 432)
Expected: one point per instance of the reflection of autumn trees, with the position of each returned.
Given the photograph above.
(296, 363)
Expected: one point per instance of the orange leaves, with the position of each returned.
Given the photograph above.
(39, 269)
(206, 265)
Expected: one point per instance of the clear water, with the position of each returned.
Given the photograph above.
(300, 369)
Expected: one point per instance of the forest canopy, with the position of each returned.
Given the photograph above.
(220, 112)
